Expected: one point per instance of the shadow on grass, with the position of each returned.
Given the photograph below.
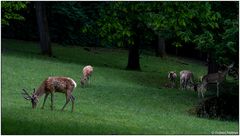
(70, 124)
(16, 127)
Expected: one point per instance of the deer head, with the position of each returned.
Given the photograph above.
(193, 86)
(33, 98)
(172, 75)
(83, 81)
(228, 67)
(231, 65)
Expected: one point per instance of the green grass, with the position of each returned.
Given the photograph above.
(116, 102)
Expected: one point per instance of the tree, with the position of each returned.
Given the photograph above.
(228, 37)
(118, 25)
(65, 20)
(187, 21)
(190, 23)
(131, 24)
(10, 11)
(43, 28)
(221, 43)
(160, 47)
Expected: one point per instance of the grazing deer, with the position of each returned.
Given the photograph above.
(186, 77)
(50, 86)
(201, 89)
(87, 72)
(215, 78)
(172, 75)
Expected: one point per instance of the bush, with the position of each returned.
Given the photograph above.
(225, 107)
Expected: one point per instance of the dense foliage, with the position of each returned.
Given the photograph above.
(210, 27)
(194, 23)
(9, 11)
(65, 22)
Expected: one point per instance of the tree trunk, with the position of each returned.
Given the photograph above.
(133, 57)
(212, 65)
(160, 47)
(43, 28)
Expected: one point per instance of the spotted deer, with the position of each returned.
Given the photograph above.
(216, 78)
(51, 85)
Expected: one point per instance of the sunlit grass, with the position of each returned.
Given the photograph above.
(116, 102)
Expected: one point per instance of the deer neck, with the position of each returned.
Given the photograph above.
(224, 73)
(40, 91)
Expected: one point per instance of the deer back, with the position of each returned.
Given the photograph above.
(186, 74)
(59, 84)
(214, 77)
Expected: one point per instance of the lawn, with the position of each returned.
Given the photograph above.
(117, 101)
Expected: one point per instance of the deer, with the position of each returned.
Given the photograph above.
(172, 75)
(87, 72)
(216, 78)
(186, 78)
(199, 88)
(51, 85)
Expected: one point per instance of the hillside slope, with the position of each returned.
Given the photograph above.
(117, 101)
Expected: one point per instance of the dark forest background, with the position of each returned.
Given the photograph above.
(206, 31)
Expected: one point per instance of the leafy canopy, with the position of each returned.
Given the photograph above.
(10, 10)
(195, 23)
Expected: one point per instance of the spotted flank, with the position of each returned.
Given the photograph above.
(75, 85)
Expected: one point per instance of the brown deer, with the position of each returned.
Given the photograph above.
(50, 86)
(215, 78)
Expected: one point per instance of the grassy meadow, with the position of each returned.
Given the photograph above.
(117, 101)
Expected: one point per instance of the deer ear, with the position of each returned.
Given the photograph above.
(231, 65)
(219, 71)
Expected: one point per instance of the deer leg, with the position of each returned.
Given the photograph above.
(88, 79)
(52, 97)
(202, 93)
(171, 84)
(184, 85)
(67, 100)
(72, 99)
(45, 98)
(187, 84)
(217, 89)
(181, 84)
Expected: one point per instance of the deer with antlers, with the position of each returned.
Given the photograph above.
(215, 78)
(50, 86)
